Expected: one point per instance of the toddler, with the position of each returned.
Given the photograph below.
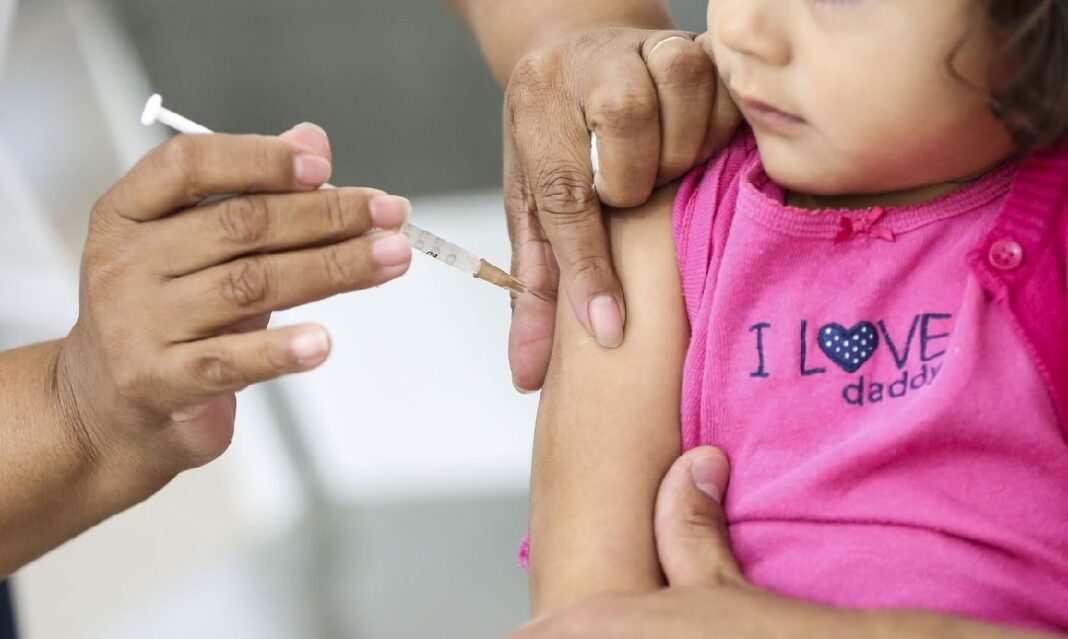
(862, 302)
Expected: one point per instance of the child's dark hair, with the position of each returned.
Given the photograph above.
(1033, 100)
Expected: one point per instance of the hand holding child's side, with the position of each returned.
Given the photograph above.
(709, 598)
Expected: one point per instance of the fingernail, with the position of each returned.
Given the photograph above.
(710, 476)
(392, 249)
(308, 135)
(606, 321)
(188, 414)
(311, 170)
(390, 211)
(519, 389)
(310, 346)
(318, 129)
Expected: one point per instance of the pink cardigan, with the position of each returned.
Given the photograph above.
(1034, 290)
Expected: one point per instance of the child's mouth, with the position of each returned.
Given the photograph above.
(763, 115)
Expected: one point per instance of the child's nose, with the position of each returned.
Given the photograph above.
(754, 28)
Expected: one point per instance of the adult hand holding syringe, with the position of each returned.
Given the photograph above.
(422, 241)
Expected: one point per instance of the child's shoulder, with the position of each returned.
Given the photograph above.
(705, 188)
(1039, 196)
(712, 188)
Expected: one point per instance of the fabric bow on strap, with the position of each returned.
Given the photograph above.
(863, 224)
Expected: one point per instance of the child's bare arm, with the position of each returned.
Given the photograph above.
(608, 427)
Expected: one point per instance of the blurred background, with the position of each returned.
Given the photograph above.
(382, 496)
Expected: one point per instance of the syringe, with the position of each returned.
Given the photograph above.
(422, 241)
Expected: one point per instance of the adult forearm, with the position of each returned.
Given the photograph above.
(509, 29)
(893, 624)
(53, 484)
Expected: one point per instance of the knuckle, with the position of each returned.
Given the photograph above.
(276, 357)
(624, 109)
(245, 221)
(565, 192)
(535, 76)
(598, 40)
(342, 218)
(215, 370)
(341, 271)
(266, 160)
(181, 156)
(100, 275)
(589, 264)
(105, 267)
(132, 383)
(104, 235)
(246, 283)
(682, 66)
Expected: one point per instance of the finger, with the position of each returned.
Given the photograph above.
(691, 529)
(195, 372)
(726, 117)
(685, 81)
(215, 233)
(188, 168)
(558, 169)
(253, 285)
(623, 110)
(310, 136)
(530, 338)
(205, 429)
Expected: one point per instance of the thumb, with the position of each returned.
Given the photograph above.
(530, 339)
(204, 431)
(309, 137)
(691, 530)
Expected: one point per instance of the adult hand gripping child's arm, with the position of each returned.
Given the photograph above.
(608, 427)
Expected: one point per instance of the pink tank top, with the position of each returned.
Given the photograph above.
(893, 444)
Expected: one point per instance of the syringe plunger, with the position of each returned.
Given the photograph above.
(422, 241)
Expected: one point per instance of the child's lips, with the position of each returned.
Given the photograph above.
(763, 115)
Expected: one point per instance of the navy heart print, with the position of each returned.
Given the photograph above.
(849, 348)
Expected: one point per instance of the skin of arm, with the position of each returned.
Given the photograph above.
(52, 484)
(507, 30)
(608, 427)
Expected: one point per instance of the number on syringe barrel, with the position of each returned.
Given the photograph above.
(421, 247)
(434, 251)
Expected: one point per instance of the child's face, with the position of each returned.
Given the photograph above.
(855, 96)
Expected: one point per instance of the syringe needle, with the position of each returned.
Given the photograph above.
(422, 241)
(498, 277)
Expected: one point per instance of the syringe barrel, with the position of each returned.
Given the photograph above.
(441, 250)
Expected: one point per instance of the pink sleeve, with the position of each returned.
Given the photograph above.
(524, 552)
(701, 195)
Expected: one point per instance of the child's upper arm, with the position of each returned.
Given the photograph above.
(608, 426)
